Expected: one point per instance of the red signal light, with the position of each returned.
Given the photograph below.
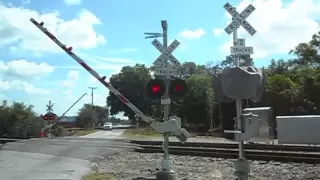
(178, 88)
(155, 88)
(49, 116)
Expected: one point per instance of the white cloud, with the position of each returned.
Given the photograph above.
(4, 85)
(24, 2)
(68, 84)
(72, 78)
(123, 50)
(182, 45)
(78, 33)
(70, 98)
(189, 34)
(92, 81)
(280, 27)
(217, 31)
(25, 69)
(73, 75)
(23, 86)
(67, 92)
(99, 98)
(72, 2)
(107, 63)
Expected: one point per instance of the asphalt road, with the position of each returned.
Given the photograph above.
(56, 158)
(106, 134)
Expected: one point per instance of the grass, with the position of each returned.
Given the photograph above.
(98, 176)
(84, 132)
(140, 132)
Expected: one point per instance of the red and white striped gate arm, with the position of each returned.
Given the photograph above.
(91, 71)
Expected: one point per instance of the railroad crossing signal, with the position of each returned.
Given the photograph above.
(242, 165)
(239, 19)
(240, 48)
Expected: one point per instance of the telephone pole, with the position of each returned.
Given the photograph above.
(92, 115)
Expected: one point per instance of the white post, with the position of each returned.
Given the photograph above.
(166, 164)
(238, 101)
(49, 133)
(241, 164)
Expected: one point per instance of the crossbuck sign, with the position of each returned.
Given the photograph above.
(239, 19)
(49, 106)
(163, 67)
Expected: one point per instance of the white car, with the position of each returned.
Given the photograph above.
(107, 126)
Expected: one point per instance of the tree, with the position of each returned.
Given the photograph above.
(131, 83)
(198, 100)
(18, 120)
(188, 69)
(99, 114)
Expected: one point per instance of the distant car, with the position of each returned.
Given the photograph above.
(107, 126)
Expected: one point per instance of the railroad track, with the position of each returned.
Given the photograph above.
(262, 152)
(7, 140)
(233, 146)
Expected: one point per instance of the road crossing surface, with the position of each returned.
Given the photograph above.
(114, 134)
(55, 158)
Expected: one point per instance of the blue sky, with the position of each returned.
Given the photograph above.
(109, 35)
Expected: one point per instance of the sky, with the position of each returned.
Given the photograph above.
(110, 34)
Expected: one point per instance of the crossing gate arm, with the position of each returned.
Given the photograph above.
(91, 71)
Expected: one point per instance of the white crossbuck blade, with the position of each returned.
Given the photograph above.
(239, 19)
(166, 55)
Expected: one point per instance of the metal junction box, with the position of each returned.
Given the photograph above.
(299, 129)
(267, 123)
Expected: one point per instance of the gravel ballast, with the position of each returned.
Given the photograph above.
(130, 165)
